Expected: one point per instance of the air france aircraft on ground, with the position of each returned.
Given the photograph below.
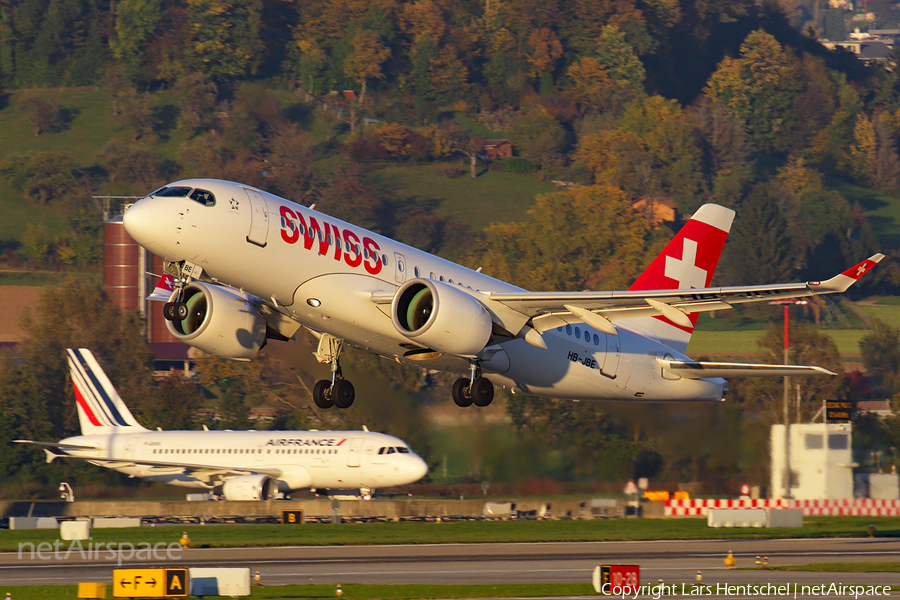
(269, 266)
(241, 465)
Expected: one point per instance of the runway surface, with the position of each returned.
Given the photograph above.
(675, 562)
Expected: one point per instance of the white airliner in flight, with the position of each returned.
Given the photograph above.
(247, 266)
(241, 465)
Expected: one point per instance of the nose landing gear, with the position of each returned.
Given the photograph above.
(181, 273)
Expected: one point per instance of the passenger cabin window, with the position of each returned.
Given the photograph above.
(203, 197)
(174, 192)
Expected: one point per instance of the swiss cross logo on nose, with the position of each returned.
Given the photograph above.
(685, 270)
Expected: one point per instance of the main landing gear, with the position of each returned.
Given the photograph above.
(474, 389)
(338, 391)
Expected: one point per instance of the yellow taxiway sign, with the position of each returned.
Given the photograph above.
(149, 583)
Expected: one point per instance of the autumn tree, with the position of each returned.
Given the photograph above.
(764, 396)
(366, 59)
(760, 247)
(178, 400)
(306, 58)
(36, 399)
(543, 51)
(136, 22)
(759, 87)
(591, 86)
(621, 63)
(570, 238)
(139, 169)
(136, 112)
(225, 37)
(44, 113)
(540, 137)
(880, 350)
(197, 98)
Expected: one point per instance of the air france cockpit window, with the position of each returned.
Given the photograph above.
(203, 197)
(173, 192)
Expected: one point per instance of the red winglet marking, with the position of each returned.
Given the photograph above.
(84, 406)
(859, 270)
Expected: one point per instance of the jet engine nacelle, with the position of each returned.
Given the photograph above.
(441, 316)
(219, 322)
(249, 487)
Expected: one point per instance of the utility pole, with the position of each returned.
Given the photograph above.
(787, 422)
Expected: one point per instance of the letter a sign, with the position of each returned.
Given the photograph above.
(176, 582)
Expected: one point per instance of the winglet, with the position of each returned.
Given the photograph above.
(840, 283)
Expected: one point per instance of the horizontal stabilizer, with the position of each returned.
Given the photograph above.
(60, 445)
(703, 370)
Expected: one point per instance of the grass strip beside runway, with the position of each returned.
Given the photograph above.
(351, 591)
(418, 532)
(842, 567)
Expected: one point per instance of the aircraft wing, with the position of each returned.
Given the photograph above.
(201, 472)
(701, 370)
(598, 309)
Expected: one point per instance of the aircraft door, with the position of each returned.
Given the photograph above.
(611, 363)
(355, 450)
(259, 218)
(129, 447)
(400, 272)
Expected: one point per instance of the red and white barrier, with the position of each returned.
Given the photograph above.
(862, 507)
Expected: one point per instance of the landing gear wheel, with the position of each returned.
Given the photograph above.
(342, 393)
(169, 311)
(181, 311)
(321, 394)
(460, 392)
(482, 392)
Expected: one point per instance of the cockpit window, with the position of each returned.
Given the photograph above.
(173, 192)
(203, 197)
(390, 450)
(402, 450)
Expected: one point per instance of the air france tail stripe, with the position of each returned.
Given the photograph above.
(83, 387)
(101, 391)
(84, 406)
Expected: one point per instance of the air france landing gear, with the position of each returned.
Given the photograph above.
(338, 392)
(475, 389)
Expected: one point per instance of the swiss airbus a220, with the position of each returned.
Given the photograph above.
(246, 266)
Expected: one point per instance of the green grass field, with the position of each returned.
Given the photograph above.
(744, 343)
(415, 532)
(492, 197)
(882, 210)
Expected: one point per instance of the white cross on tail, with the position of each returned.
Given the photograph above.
(685, 271)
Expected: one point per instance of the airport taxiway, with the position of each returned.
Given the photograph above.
(673, 561)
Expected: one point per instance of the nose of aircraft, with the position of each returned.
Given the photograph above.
(416, 468)
(139, 221)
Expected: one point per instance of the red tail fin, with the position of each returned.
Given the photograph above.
(687, 262)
